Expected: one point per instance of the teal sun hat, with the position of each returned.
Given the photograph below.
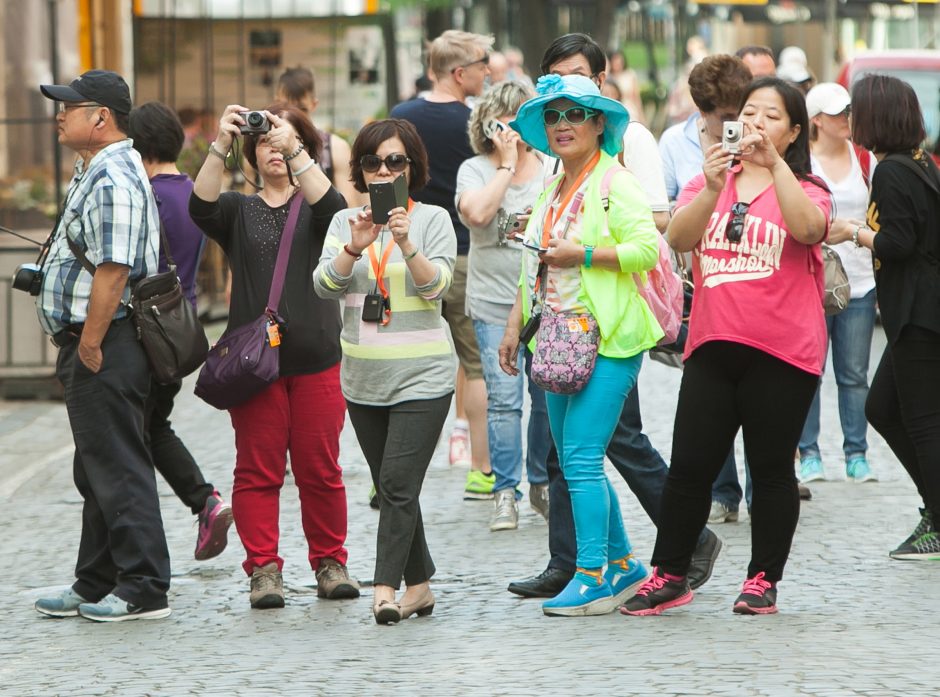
(580, 90)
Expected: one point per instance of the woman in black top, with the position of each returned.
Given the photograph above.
(303, 411)
(903, 231)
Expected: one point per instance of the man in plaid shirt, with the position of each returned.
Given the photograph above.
(106, 240)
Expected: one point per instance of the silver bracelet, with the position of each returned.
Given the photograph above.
(303, 169)
(855, 235)
(215, 151)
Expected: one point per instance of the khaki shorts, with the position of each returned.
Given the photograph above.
(461, 326)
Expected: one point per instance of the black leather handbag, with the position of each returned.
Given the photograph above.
(167, 325)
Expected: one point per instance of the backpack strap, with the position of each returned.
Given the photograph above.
(606, 181)
(864, 161)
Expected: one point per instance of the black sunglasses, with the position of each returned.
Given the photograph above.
(735, 228)
(485, 60)
(396, 162)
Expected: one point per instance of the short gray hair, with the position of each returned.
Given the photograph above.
(500, 100)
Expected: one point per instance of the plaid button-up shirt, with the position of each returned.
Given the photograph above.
(111, 215)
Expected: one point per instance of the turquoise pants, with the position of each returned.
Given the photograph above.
(582, 426)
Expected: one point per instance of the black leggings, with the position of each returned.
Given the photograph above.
(904, 407)
(398, 442)
(727, 386)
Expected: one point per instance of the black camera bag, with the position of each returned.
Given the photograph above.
(167, 325)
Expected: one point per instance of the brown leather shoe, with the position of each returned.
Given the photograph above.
(267, 587)
(334, 583)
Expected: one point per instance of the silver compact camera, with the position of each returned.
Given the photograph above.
(256, 123)
(28, 278)
(731, 134)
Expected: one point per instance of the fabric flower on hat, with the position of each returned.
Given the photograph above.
(549, 84)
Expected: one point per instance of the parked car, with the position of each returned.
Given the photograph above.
(921, 69)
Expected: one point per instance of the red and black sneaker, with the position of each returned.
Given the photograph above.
(660, 592)
(758, 597)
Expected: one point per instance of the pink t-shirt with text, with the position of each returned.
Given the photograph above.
(766, 290)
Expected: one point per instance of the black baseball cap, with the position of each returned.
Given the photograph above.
(100, 86)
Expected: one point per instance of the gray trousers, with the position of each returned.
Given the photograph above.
(398, 442)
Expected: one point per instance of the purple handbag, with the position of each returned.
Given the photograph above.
(246, 360)
(565, 351)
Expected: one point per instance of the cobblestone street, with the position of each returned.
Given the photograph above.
(851, 621)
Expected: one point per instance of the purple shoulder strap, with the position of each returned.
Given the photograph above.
(283, 253)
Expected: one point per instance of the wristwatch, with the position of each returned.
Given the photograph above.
(588, 255)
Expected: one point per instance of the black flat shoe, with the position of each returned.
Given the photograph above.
(547, 584)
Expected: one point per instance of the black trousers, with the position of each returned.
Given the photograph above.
(123, 549)
(904, 407)
(727, 386)
(398, 442)
(170, 456)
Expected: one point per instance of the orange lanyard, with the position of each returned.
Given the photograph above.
(550, 220)
(379, 268)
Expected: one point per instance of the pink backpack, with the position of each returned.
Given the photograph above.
(662, 290)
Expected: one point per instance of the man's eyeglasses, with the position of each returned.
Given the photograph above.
(63, 107)
(735, 228)
(574, 115)
(485, 60)
(396, 162)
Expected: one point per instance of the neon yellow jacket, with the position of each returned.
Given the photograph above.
(627, 326)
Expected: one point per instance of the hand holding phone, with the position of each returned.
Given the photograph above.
(386, 196)
(534, 247)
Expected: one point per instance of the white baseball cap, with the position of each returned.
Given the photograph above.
(792, 65)
(827, 98)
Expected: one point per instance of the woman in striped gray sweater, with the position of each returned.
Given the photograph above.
(398, 366)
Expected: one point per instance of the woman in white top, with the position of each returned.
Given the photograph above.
(495, 192)
(846, 170)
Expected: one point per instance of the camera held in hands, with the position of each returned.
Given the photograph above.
(28, 278)
(256, 123)
(731, 134)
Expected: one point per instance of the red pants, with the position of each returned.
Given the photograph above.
(303, 414)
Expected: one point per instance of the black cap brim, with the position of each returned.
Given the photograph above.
(61, 93)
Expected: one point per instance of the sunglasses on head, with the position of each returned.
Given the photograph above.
(574, 115)
(735, 228)
(396, 162)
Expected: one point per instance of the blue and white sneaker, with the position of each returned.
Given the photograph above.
(625, 584)
(581, 597)
(811, 469)
(65, 604)
(113, 609)
(858, 470)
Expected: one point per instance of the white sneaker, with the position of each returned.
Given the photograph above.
(538, 499)
(505, 511)
(459, 448)
(720, 513)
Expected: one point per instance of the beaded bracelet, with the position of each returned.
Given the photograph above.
(300, 149)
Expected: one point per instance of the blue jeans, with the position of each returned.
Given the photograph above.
(582, 426)
(504, 416)
(850, 334)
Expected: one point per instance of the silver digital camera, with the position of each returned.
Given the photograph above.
(256, 123)
(731, 134)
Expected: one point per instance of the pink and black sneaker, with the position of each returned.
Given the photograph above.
(214, 521)
(758, 597)
(660, 592)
